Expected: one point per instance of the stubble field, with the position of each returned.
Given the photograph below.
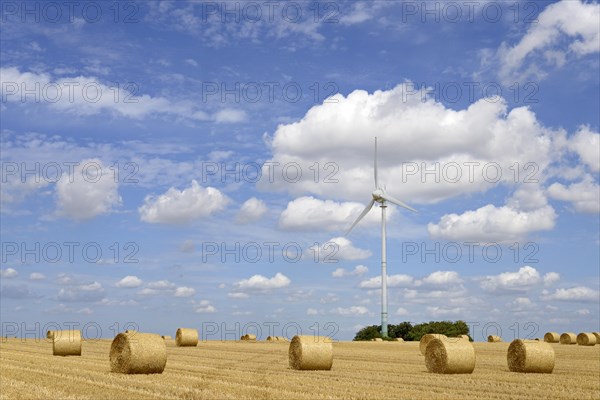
(237, 370)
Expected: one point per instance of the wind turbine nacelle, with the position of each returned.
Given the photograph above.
(378, 195)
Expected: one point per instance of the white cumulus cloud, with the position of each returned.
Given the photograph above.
(309, 213)
(584, 195)
(179, 207)
(252, 210)
(578, 293)
(399, 280)
(350, 311)
(8, 273)
(492, 224)
(130, 281)
(522, 280)
(90, 191)
(359, 270)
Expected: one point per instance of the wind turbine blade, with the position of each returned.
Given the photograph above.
(375, 167)
(398, 202)
(361, 216)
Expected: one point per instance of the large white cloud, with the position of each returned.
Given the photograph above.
(309, 213)
(492, 224)
(584, 195)
(441, 278)
(88, 95)
(259, 284)
(578, 293)
(414, 135)
(570, 22)
(586, 143)
(337, 249)
(91, 190)
(522, 280)
(179, 207)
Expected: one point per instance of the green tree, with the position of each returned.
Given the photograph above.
(407, 331)
(448, 328)
(368, 333)
(400, 331)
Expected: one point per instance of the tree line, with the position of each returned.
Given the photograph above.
(408, 331)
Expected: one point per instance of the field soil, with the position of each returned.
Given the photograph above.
(242, 370)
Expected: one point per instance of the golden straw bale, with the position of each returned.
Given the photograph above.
(444, 356)
(66, 343)
(494, 339)
(138, 353)
(426, 339)
(586, 339)
(568, 338)
(186, 337)
(311, 353)
(530, 356)
(551, 337)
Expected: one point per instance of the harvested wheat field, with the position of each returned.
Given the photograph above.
(234, 370)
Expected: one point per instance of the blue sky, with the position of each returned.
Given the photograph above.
(150, 131)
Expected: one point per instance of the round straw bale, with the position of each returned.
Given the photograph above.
(586, 339)
(249, 337)
(138, 353)
(398, 339)
(426, 339)
(186, 337)
(271, 338)
(494, 339)
(378, 339)
(281, 338)
(443, 356)
(597, 334)
(167, 337)
(66, 343)
(311, 353)
(50, 334)
(530, 356)
(551, 337)
(568, 338)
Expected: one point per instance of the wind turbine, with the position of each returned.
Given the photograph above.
(380, 195)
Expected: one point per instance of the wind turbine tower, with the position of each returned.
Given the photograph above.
(380, 195)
